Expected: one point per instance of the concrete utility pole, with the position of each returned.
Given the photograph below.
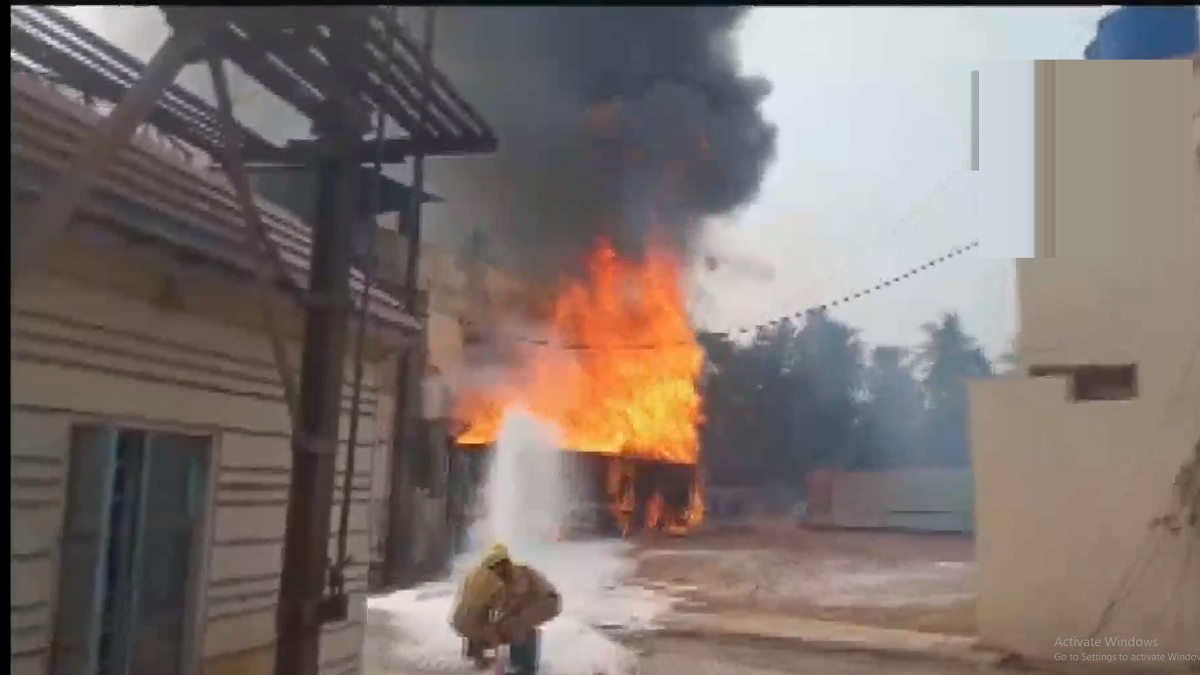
(303, 604)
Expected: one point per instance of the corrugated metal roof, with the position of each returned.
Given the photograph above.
(47, 42)
(305, 53)
(154, 192)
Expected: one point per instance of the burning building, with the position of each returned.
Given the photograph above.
(617, 371)
(623, 131)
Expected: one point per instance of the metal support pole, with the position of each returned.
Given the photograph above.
(413, 226)
(47, 219)
(302, 608)
(399, 504)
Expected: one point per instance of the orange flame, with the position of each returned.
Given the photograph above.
(620, 488)
(655, 512)
(696, 510)
(627, 385)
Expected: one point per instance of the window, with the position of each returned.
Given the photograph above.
(1094, 382)
(135, 504)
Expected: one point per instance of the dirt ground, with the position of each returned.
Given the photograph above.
(696, 657)
(677, 656)
(887, 579)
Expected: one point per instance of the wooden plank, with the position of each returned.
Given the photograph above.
(270, 261)
(178, 106)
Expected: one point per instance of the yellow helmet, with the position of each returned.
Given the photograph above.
(496, 555)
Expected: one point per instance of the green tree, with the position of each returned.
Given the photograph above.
(776, 359)
(828, 364)
(785, 402)
(748, 438)
(949, 357)
(732, 437)
(798, 396)
(892, 412)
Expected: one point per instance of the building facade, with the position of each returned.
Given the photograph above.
(1079, 451)
(150, 445)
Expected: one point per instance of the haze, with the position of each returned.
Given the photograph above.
(872, 170)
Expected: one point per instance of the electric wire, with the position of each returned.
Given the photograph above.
(894, 225)
(809, 311)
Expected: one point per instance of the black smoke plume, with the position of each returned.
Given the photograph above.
(609, 119)
(616, 122)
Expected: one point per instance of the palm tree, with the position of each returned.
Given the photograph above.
(893, 411)
(949, 357)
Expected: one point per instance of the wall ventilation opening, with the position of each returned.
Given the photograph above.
(1094, 382)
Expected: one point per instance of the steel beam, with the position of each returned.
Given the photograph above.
(47, 220)
(395, 150)
(270, 265)
(413, 226)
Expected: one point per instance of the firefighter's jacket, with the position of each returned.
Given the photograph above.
(524, 603)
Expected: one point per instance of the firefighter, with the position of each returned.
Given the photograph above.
(502, 602)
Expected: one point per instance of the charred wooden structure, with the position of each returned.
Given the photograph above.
(347, 69)
(615, 496)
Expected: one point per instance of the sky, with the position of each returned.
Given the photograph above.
(872, 175)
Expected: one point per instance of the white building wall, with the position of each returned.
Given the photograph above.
(932, 500)
(1065, 491)
(79, 353)
(1115, 168)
